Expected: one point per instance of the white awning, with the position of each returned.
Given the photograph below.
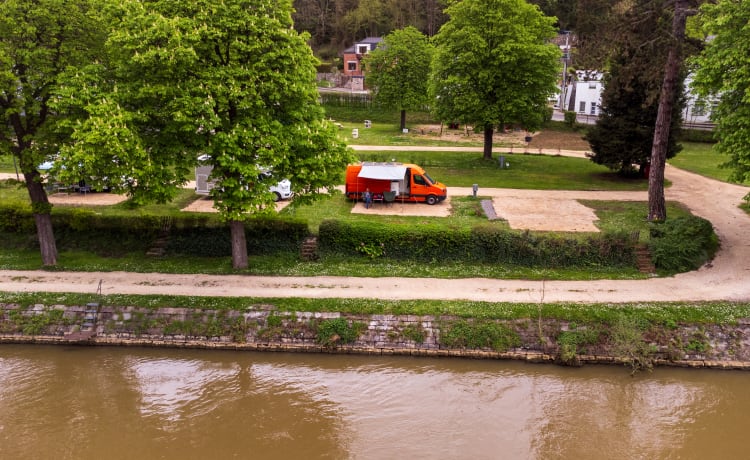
(386, 172)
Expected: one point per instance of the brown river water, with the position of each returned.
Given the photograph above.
(135, 403)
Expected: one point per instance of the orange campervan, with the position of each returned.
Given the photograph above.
(408, 182)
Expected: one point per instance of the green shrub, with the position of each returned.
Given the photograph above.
(570, 118)
(337, 330)
(16, 217)
(479, 334)
(627, 340)
(263, 235)
(415, 333)
(548, 112)
(697, 135)
(36, 323)
(682, 244)
(574, 341)
(274, 320)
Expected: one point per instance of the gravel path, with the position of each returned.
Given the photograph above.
(726, 278)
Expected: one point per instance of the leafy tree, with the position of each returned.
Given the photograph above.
(230, 80)
(564, 10)
(398, 71)
(368, 19)
(335, 24)
(38, 40)
(494, 65)
(724, 71)
(623, 134)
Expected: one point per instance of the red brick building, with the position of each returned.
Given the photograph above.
(354, 54)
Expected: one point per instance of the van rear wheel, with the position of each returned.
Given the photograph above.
(431, 199)
(276, 196)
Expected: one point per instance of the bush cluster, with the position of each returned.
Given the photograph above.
(264, 235)
(16, 218)
(479, 334)
(697, 135)
(570, 118)
(682, 244)
(189, 235)
(482, 243)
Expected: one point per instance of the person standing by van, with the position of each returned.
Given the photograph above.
(368, 198)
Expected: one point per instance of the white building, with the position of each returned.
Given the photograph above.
(583, 95)
(697, 109)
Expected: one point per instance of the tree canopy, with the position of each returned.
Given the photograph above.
(624, 132)
(398, 71)
(494, 65)
(39, 39)
(232, 80)
(723, 70)
(336, 24)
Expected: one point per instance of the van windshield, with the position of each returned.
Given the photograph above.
(430, 180)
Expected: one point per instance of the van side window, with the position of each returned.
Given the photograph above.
(419, 180)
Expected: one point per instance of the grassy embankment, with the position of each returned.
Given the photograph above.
(653, 313)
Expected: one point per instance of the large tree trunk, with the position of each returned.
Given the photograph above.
(403, 120)
(657, 208)
(489, 130)
(239, 244)
(41, 209)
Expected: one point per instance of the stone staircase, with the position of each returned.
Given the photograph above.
(88, 328)
(309, 248)
(159, 246)
(643, 259)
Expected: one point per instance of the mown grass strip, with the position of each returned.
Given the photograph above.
(665, 313)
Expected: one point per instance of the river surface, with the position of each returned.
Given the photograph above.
(135, 403)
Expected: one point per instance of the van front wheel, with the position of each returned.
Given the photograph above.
(276, 197)
(431, 199)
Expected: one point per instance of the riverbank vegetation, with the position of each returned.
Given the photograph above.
(664, 313)
(639, 335)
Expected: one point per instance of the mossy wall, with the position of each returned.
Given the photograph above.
(265, 328)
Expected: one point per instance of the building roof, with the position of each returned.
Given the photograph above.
(365, 41)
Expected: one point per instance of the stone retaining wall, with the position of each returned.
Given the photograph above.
(266, 329)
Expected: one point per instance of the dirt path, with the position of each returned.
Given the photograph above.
(726, 278)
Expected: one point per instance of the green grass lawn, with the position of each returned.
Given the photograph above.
(388, 134)
(525, 171)
(701, 158)
(649, 312)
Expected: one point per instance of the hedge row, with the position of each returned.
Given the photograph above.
(264, 235)
(189, 234)
(18, 218)
(483, 243)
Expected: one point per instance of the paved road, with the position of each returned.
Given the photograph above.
(726, 278)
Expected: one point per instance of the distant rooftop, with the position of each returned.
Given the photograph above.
(364, 41)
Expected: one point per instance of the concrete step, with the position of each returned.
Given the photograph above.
(309, 248)
(643, 259)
